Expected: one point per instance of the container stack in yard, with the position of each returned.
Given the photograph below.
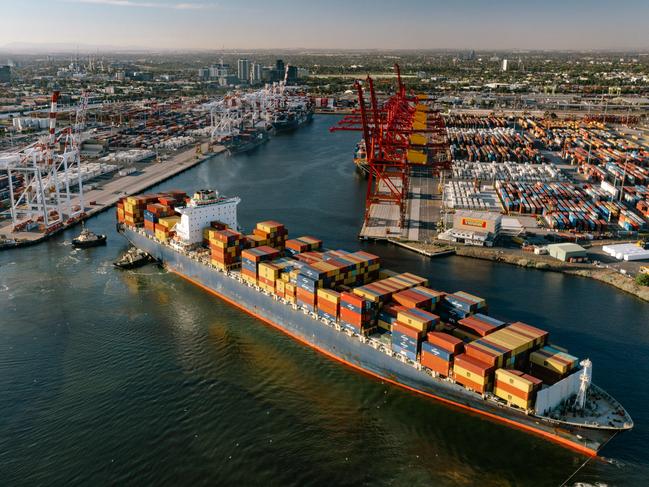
(614, 163)
(460, 120)
(493, 145)
(566, 206)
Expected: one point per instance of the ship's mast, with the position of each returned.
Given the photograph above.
(584, 378)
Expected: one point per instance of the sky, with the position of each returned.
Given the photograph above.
(329, 24)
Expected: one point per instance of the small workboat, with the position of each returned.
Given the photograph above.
(133, 258)
(87, 239)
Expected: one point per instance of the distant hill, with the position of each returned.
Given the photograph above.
(65, 47)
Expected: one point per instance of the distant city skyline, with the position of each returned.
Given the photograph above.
(335, 24)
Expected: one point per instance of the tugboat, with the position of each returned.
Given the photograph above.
(87, 239)
(133, 258)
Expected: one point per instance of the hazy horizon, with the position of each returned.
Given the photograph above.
(206, 25)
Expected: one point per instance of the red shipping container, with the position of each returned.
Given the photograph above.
(351, 317)
(268, 282)
(412, 299)
(473, 365)
(306, 296)
(445, 341)
(480, 327)
(435, 363)
(486, 354)
(353, 299)
(510, 389)
(328, 307)
(407, 330)
(470, 384)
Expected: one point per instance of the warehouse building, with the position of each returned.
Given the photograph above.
(478, 221)
(474, 228)
(567, 252)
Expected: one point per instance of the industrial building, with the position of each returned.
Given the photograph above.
(474, 228)
(567, 252)
(5, 74)
(243, 70)
(478, 221)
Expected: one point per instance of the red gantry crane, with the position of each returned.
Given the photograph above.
(402, 137)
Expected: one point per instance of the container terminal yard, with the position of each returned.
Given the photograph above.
(76, 171)
(581, 176)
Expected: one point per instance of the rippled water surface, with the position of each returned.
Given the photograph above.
(138, 377)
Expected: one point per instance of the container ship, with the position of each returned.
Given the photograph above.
(293, 118)
(360, 159)
(244, 140)
(390, 325)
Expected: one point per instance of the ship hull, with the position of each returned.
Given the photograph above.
(361, 356)
(282, 126)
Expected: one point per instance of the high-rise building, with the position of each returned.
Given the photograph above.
(203, 73)
(255, 73)
(280, 68)
(243, 70)
(291, 74)
(5, 74)
(504, 65)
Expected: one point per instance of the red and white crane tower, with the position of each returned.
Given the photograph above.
(403, 136)
(45, 185)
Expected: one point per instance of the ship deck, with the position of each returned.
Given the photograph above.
(602, 411)
(368, 355)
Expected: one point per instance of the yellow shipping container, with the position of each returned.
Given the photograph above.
(385, 325)
(328, 295)
(289, 289)
(549, 363)
(268, 270)
(478, 379)
(416, 157)
(269, 226)
(514, 380)
(418, 139)
(517, 401)
(418, 125)
(280, 286)
(250, 279)
(169, 221)
(364, 294)
(511, 340)
(418, 323)
(266, 287)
